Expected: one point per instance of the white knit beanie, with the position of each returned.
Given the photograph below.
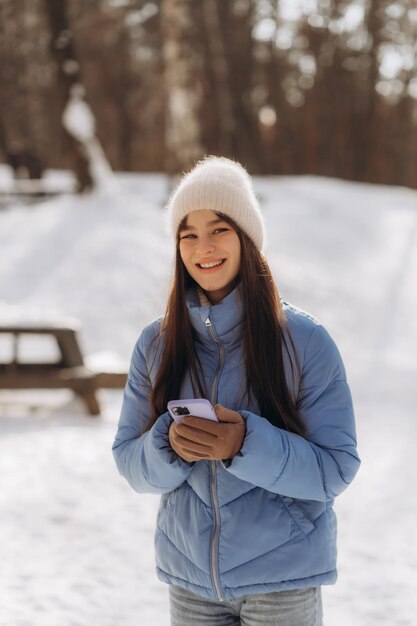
(220, 185)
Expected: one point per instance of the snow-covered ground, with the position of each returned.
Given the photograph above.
(77, 542)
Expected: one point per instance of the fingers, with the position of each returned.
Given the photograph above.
(188, 450)
(195, 434)
(195, 456)
(227, 415)
(185, 437)
(191, 444)
(199, 424)
(191, 451)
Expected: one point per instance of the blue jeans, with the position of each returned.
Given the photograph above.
(297, 607)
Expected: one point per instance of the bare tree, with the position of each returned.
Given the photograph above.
(23, 75)
(182, 67)
(221, 75)
(68, 79)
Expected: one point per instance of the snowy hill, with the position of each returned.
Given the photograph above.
(77, 542)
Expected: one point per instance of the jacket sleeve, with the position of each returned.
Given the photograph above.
(320, 466)
(145, 459)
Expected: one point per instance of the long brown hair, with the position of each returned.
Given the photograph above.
(266, 335)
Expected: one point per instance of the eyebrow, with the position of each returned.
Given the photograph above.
(211, 223)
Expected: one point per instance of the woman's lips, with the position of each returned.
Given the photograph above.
(210, 268)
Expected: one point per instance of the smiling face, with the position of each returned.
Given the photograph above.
(210, 250)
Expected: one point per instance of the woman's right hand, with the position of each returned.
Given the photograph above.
(195, 438)
(179, 444)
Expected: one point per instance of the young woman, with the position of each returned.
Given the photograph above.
(246, 532)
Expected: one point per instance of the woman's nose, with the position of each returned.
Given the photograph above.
(205, 245)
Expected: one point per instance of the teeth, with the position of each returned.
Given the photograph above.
(207, 265)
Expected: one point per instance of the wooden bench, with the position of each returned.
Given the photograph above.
(69, 372)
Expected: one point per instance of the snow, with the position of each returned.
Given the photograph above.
(78, 117)
(79, 121)
(77, 542)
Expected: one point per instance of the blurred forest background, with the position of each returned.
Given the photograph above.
(322, 87)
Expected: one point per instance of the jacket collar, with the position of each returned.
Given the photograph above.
(226, 317)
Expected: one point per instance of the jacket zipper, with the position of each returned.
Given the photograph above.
(214, 548)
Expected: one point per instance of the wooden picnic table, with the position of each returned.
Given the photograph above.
(69, 371)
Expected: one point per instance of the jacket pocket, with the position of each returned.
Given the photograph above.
(298, 515)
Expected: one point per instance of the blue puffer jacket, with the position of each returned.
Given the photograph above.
(264, 521)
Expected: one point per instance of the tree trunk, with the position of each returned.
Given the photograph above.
(68, 77)
(21, 61)
(183, 92)
(222, 83)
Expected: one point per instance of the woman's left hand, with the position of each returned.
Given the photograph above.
(210, 440)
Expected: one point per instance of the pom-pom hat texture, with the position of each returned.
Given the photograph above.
(221, 185)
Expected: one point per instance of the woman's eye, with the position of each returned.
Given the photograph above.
(189, 236)
(222, 229)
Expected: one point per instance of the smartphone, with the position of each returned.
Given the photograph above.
(199, 407)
